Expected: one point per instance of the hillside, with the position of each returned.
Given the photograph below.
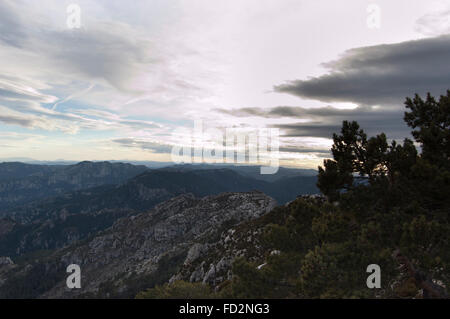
(137, 251)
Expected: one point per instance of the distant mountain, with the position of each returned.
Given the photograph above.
(154, 186)
(288, 188)
(10, 171)
(22, 183)
(139, 193)
(284, 186)
(247, 170)
(149, 164)
(24, 160)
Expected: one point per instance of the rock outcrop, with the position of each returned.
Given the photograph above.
(242, 240)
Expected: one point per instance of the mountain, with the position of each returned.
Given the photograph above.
(16, 170)
(288, 188)
(247, 170)
(23, 183)
(25, 160)
(137, 252)
(56, 222)
(154, 186)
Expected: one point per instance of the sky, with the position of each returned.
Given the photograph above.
(132, 79)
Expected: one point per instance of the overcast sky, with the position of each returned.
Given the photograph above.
(118, 87)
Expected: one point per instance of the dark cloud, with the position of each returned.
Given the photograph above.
(324, 121)
(306, 113)
(393, 127)
(299, 149)
(303, 130)
(380, 75)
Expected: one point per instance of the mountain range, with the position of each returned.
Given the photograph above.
(47, 209)
(57, 221)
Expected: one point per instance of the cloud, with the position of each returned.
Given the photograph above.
(66, 62)
(17, 90)
(435, 23)
(113, 63)
(12, 26)
(300, 112)
(109, 51)
(113, 120)
(324, 121)
(287, 152)
(70, 97)
(134, 64)
(299, 149)
(302, 129)
(381, 74)
(14, 140)
(144, 144)
(33, 121)
(17, 120)
(21, 104)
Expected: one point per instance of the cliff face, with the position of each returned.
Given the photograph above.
(145, 249)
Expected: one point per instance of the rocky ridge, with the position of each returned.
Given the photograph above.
(145, 249)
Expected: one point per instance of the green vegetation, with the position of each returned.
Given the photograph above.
(384, 198)
(178, 290)
(27, 285)
(388, 204)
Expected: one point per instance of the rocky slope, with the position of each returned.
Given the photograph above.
(138, 251)
(211, 262)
